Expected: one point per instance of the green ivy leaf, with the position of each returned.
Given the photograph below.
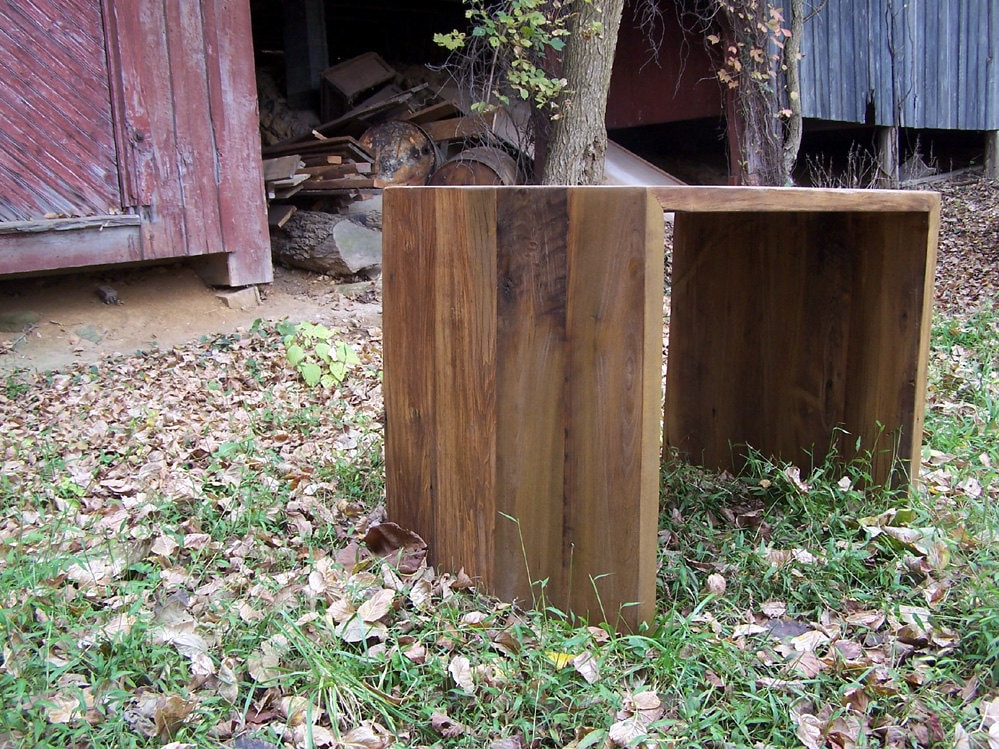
(295, 354)
(311, 373)
(338, 370)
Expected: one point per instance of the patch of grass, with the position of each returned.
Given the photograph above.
(180, 560)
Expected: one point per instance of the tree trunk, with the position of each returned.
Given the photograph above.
(792, 51)
(578, 143)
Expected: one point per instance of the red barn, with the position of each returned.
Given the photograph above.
(130, 133)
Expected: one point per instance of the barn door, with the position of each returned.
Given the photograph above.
(57, 144)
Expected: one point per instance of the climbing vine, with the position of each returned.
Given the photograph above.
(516, 45)
(757, 49)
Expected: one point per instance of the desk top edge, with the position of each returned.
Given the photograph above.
(726, 199)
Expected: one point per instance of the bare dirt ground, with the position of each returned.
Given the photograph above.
(49, 323)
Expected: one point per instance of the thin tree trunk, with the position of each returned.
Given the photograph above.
(792, 50)
(578, 141)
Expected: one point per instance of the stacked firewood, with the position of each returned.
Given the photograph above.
(378, 133)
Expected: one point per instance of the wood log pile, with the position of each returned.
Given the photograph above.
(380, 128)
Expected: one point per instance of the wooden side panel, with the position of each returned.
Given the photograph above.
(523, 387)
(758, 335)
(787, 329)
(57, 148)
(409, 267)
(147, 93)
(195, 154)
(128, 107)
(613, 353)
(531, 364)
(889, 347)
(464, 363)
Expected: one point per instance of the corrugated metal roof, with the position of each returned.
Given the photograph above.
(931, 61)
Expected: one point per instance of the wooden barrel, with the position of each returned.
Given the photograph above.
(404, 154)
(482, 165)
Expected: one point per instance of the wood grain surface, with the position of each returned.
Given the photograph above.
(523, 403)
(522, 345)
(531, 371)
(799, 333)
(791, 199)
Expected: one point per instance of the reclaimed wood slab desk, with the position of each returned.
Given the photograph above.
(523, 363)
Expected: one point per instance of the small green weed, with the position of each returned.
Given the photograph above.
(317, 354)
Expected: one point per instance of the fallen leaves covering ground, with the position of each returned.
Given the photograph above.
(968, 255)
(192, 553)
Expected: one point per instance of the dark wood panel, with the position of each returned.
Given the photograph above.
(409, 278)
(523, 371)
(530, 381)
(798, 332)
(464, 365)
(614, 334)
(58, 152)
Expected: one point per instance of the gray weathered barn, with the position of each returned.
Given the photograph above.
(927, 64)
(889, 64)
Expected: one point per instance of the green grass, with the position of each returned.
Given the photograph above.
(210, 495)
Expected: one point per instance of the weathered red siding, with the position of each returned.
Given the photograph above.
(57, 149)
(151, 111)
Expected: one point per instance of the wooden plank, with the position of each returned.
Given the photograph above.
(335, 171)
(232, 96)
(611, 465)
(341, 183)
(343, 145)
(322, 160)
(531, 366)
(890, 326)
(278, 215)
(285, 192)
(192, 121)
(72, 248)
(410, 279)
(784, 199)
(464, 360)
(98, 223)
(129, 112)
(281, 167)
(439, 111)
(458, 127)
(292, 181)
(149, 118)
(359, 115)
